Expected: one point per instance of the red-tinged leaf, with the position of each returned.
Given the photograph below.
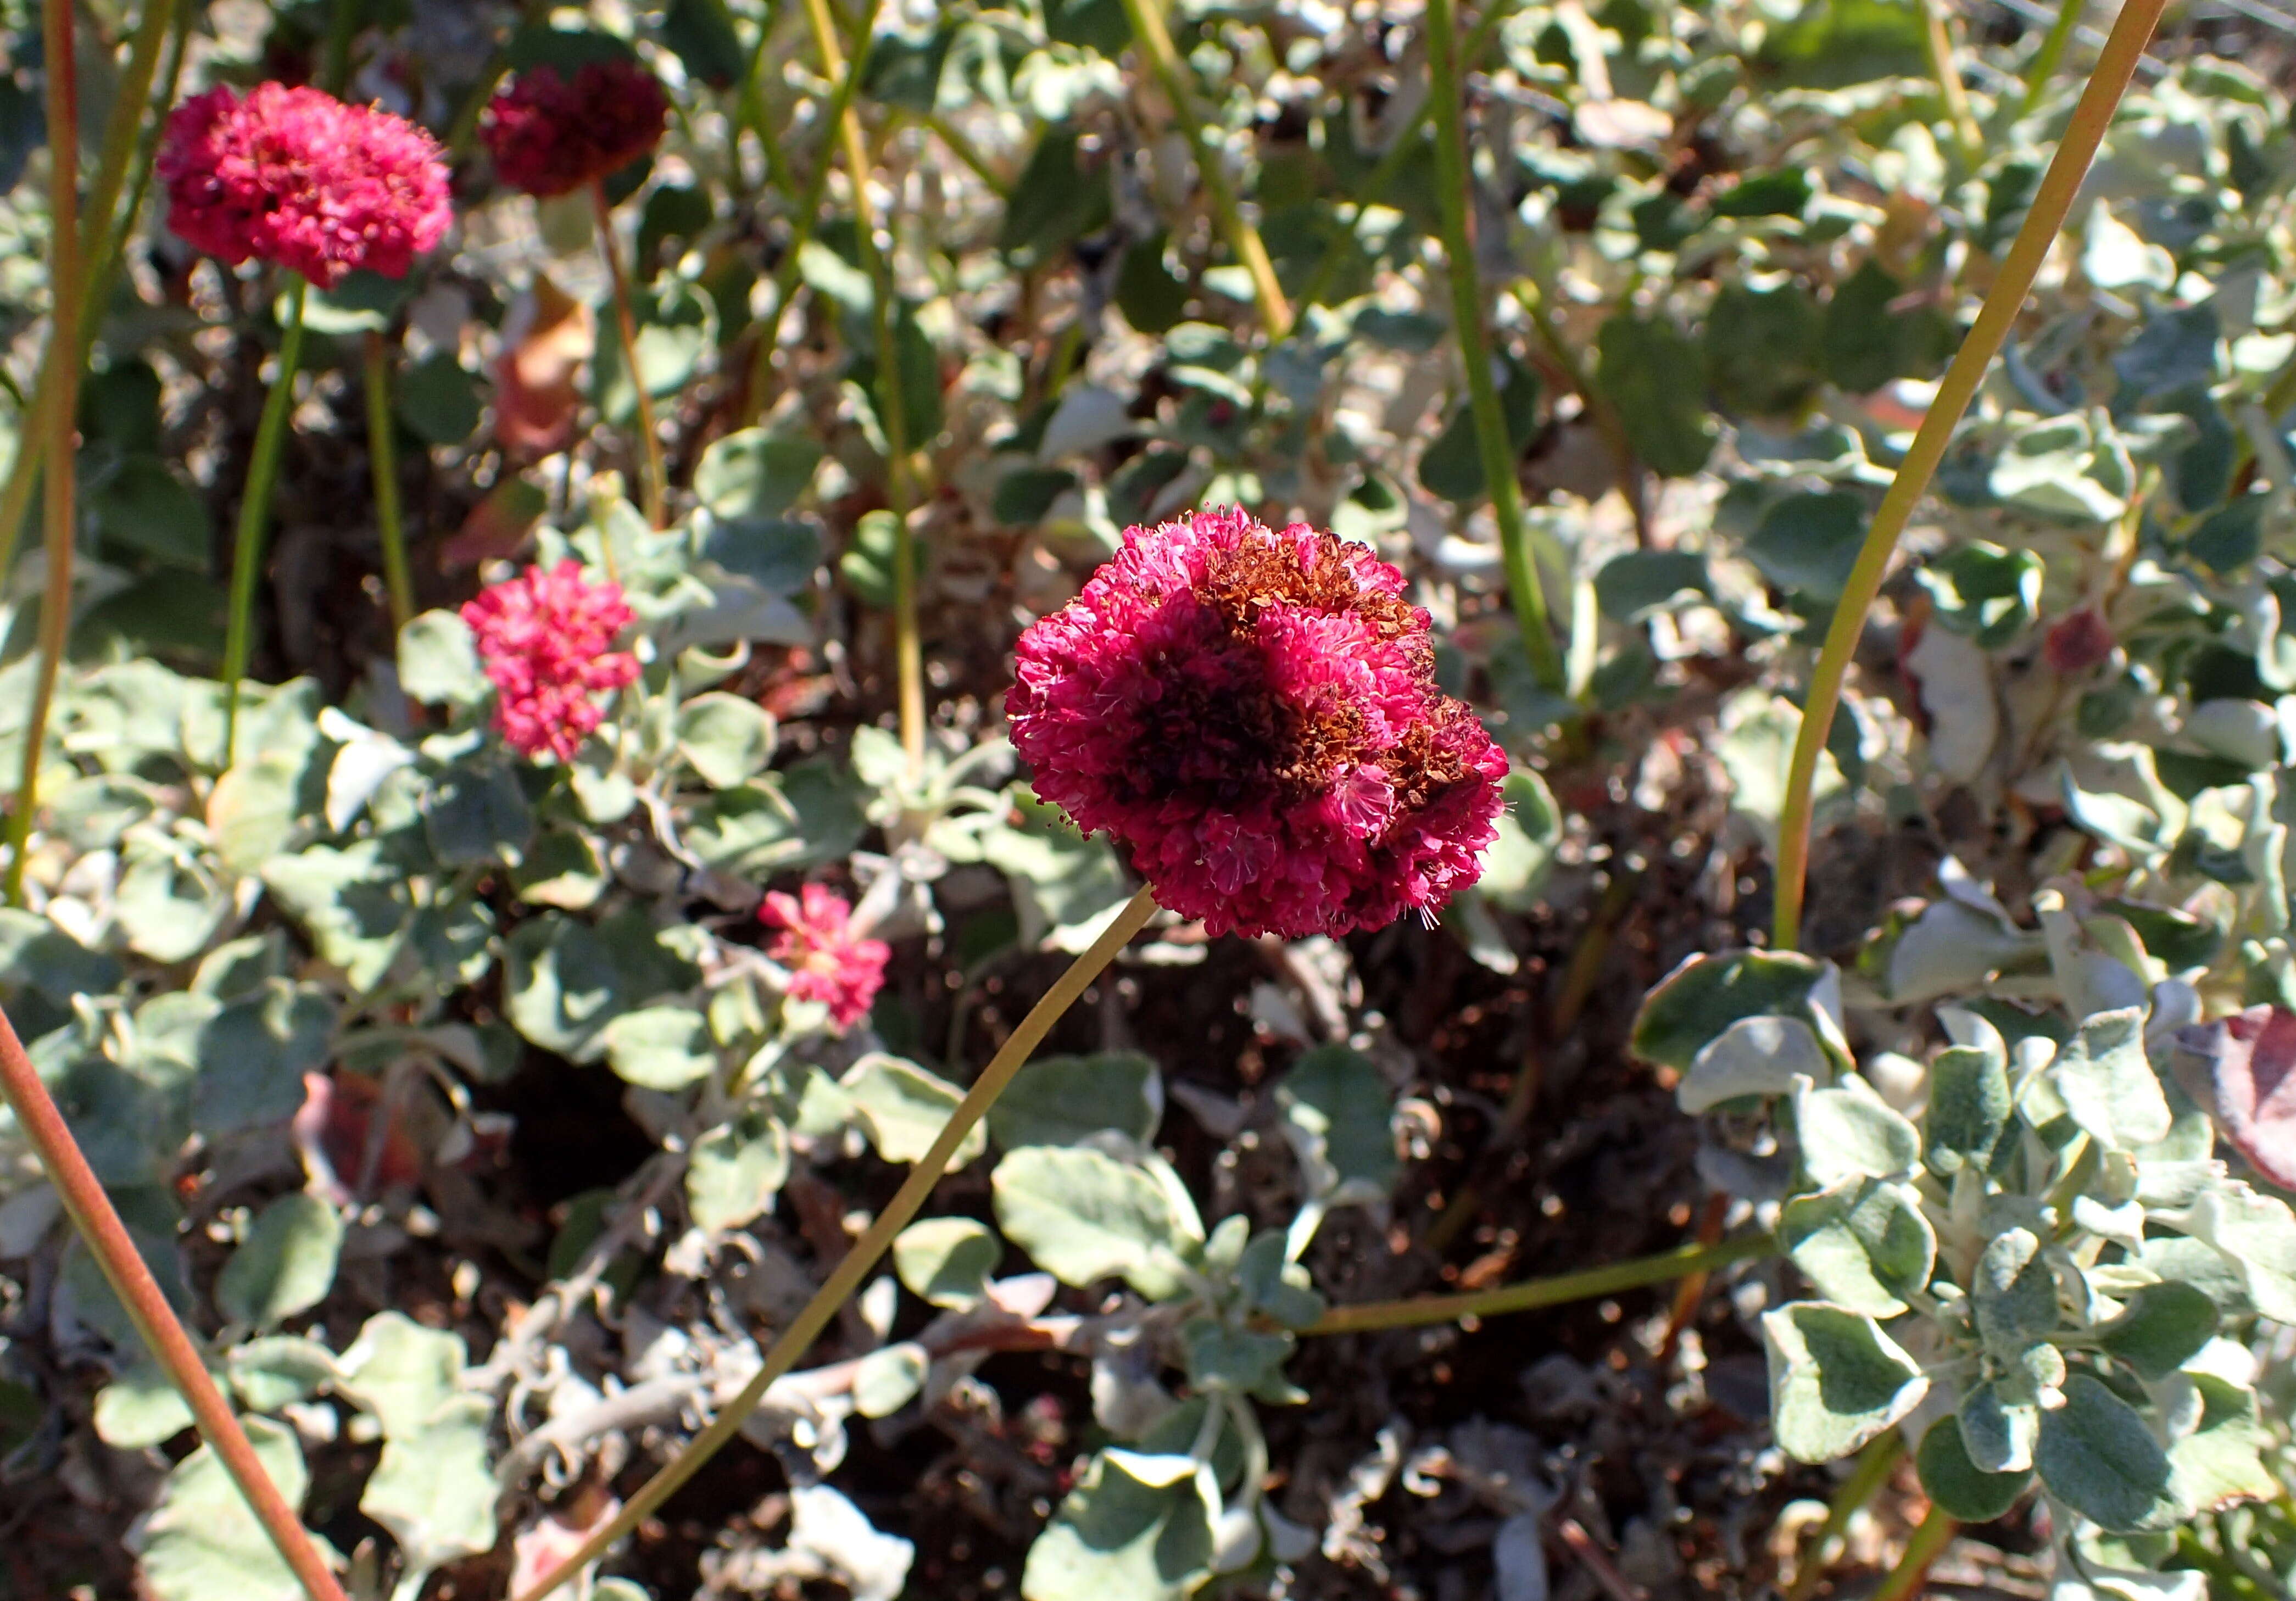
(538, 397)
(335, 1131)
(2248, 1071)
(497, 527)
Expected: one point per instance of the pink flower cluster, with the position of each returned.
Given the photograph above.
(825, 962)
(551, 135)
(297, 178)
(1253, 716)
(544, 637)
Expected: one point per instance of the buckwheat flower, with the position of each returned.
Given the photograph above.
(1252, 716)
(825, 962)
(542, 637)
(552, 136)
(297, 178)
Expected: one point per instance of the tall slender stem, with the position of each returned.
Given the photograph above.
(1937, 37)
(1390, 161)
(2115, 66)
(114, 1250)
(892, 404)
(1454, 196)
(2043, 66)
(382, 459)
(965, 150)
(802, 221)
(1534, 1293)
(335, 63)
(255, 512)
(1155, 42)
(806, 1328)
(100, 242)
(62, 399)
(1929, 1538)
(651, 478)
(750, 112)
(1871, 1472)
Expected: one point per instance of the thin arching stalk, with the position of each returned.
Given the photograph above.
(1937, 36)
(255, 512)
(1390, 161)
(56, 430)
(382, 459)
(651, 475)
(965, 150)
(801, 225)
(806, 1328)
(749, 111)
(1874, 1463)
(100, 241)
(1934, 1533)
(893, 405)
(2115, 66)
(163, 1334)
(1454, 195)
(1155, 42)
(2043, 66)
(1533, 1294)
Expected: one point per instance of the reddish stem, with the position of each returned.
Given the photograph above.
(652, 486)
(147, 1307)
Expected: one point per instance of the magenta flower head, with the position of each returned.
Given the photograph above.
(552, 136)
(825, 962)
(542, 637)
(297, 178)
(1253, 717)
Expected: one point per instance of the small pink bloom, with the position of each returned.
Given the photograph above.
(544, 637)
(1252, 716)
(825, 962)
(552, 136)
(297, 178)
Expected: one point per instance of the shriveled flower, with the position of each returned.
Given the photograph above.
(297, 178)
(543, 637)
(552, 136)
(1253, 717)
(825, 962)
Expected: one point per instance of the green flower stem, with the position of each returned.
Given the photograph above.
(1454, 196)
(335, 61)
(893, 406)
(1399, 151)
(1934, 1533)
(1563, 1287)
(255, 512)
(1937, 37)
(56, 417)
(2043, 66)
(99, 242)
(109, 1241)
(2115, 66)
(2282, 395)
(795, 1340)
(802, 221)
(2226, 1581)
(750, 112)
(1871, 1472)
(965, 150)
(651, 475)
(1155, 42)
(382, 458)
